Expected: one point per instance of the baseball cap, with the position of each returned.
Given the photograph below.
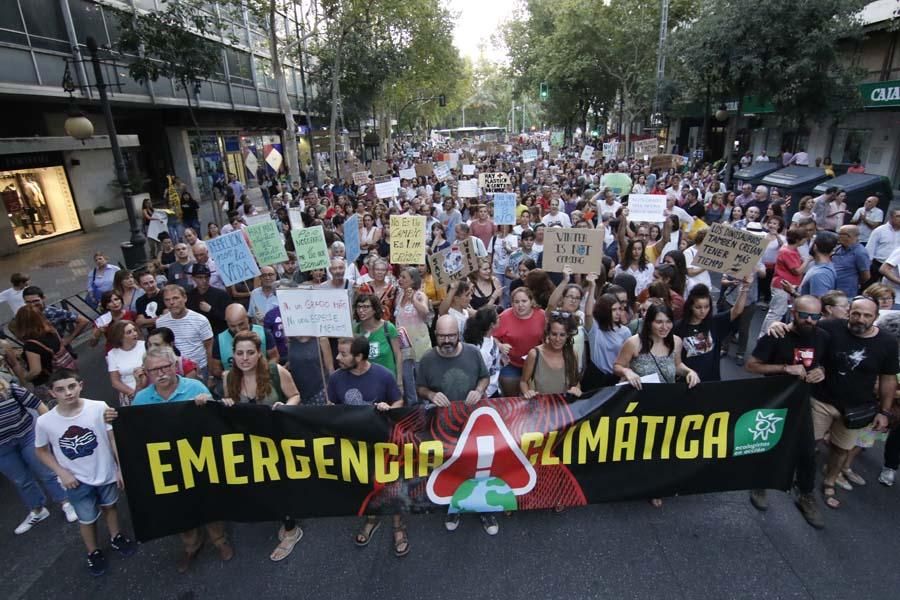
(201, 270)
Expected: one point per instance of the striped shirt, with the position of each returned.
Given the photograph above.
(15, 421)
(190, 331)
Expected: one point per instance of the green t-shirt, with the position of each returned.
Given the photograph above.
(380, 351)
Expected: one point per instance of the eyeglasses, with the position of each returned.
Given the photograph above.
(808, 315)
(160, 369)
(560, 314)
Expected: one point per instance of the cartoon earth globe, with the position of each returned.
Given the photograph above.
(487, 494)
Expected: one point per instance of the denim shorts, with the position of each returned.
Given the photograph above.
(511, 371)
(87, 500)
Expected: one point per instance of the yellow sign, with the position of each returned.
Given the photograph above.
(174, 198)
(407, 240)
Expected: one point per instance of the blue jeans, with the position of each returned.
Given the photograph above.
(20, 464)
(410, 397)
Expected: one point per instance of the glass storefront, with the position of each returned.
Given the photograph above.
(39, 203)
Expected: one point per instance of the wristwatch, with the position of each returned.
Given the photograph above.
(885, 413)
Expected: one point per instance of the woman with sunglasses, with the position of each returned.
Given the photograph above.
(551, 367)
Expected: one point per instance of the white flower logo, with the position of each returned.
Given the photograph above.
(765, 424)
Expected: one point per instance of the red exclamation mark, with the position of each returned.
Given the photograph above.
(485, 445)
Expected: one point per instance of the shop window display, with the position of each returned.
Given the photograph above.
(38, 203)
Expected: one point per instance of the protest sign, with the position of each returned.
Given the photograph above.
(587, 153)
(274, 159)
(254, 219)
(453, 159)
(619, 183)
(468, 169)
(453, 263)
(396, 181)
(267, 243)
(666, 161)
(158, 224)
(441, 171)
(188, 464)
(468, 188)
(505, 209)
(386, 189)
(529, 156)
(491, 183)
(360, 178)
(379, 167)
(351, 238)
(646, 207)
(558, 138)
(309, 244)
(315, 312)
(295, 216)
(407, 173)
(233, 257)
(407, 240)
(347, 170)
(610, 149)
(424, 170)
(730, 251)
(581, 249)
(648, 147)
(545, 146)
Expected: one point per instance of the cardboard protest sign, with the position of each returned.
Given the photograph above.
(351, 238)
(453, 263)
(491, 183)
(315, 312)
(309, 244)
(254, 219)
(424, 170)
(468, 188)
(646, 207)
(468, 169)
(347, 170)
(666, 161)
(295, 216)
(268, 245)
(648, 147)
(581, 249)
(529, 156)
(158, 225)
(407, 240)
(385, 189)
(730, 251)
(587, 153)
(407, 173)
(379, 167)
(505, 209)
(233, 257)
(360, 178)
(442, 171)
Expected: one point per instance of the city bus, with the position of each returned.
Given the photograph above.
(477, 134)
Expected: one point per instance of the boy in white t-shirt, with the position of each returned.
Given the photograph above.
(85, 460)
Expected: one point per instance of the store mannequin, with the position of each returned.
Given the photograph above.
(18, 208)
(35, 195)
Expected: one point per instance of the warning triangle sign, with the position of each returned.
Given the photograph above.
(485, 448)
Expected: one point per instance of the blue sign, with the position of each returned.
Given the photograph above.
(505, 209)
(233, 257)
(351, 238)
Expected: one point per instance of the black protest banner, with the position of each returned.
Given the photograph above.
(185, 465)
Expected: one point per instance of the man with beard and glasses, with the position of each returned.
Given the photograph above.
(798, 353)
(453, 372)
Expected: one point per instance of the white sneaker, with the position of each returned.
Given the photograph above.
(71, 516)
(31, 520)
(887, 476)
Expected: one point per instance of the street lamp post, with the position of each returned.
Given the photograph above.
(135, 251)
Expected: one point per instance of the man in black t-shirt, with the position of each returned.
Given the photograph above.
(799, 353)
(150, 305)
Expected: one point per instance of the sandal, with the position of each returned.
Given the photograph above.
(854, 477)
(830, 495)
(370, 526)
(842, 483)
(401, 542)
(286, 545)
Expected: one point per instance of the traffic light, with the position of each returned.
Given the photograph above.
(442, 100)
(545, 91)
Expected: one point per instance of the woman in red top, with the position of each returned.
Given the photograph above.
(115, 311)
(789, 266)
(520, 328)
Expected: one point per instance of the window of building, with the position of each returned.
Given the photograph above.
(46, 28)
(11, 27)
(38, 203)
(850, 144)
(88, 21)
(239, 66)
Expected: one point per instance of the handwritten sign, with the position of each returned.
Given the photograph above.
(453, 159)
(424, 170)
(315, 312)
(468, 169)
(254, 219)
(648, 147)
(407, 240)
(309, 243)
(529, 156)
(728, 250)
(379, 167)
(159, 224)
(442, 171)
(581, 249)
(505, 209)
(407, 173)
(351, 238)
(491, 183)
(361, 178)
(453, 263)
(666, 161)
(295, 216)
(468, 188)
(268, 246)
(385, 189)
(587, 153)
(233, 256)
(648, 208)
(610, 149)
